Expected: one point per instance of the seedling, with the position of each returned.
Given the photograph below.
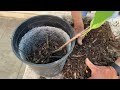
(98, 20)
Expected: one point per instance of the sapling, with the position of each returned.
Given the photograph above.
(98, 20)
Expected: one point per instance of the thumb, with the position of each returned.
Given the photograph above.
(90, 64)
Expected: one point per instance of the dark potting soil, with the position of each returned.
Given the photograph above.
(43, 54)
(97, 46)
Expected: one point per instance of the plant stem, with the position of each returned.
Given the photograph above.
(82, 34)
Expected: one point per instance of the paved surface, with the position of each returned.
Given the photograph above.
(10, 66)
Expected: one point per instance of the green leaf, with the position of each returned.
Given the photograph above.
(100, 18)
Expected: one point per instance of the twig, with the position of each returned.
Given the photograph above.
(83, 33)
(55, 56)
(47, 42)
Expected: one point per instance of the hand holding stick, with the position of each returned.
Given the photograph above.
(81, 34)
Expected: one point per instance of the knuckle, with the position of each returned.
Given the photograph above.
(94, 70)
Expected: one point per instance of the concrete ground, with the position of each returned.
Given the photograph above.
(10, 66)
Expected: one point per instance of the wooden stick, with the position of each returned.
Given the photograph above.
(83, 33)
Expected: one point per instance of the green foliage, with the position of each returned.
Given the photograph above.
(100, 18)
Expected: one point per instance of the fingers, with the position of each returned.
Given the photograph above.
(90, 64)
(79, 40)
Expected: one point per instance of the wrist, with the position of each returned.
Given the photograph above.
(79, 26)
(116, 68)
(78, 29)
(78, 23)
(113, 70)
(116, 76)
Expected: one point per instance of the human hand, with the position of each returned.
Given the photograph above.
(78, 29)
(101, 72)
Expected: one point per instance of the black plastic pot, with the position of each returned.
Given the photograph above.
(50, 69)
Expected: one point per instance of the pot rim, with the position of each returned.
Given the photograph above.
(48, 64)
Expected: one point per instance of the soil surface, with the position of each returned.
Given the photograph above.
(97, 46)
(43, 54)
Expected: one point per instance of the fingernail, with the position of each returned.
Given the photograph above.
(86, 59)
